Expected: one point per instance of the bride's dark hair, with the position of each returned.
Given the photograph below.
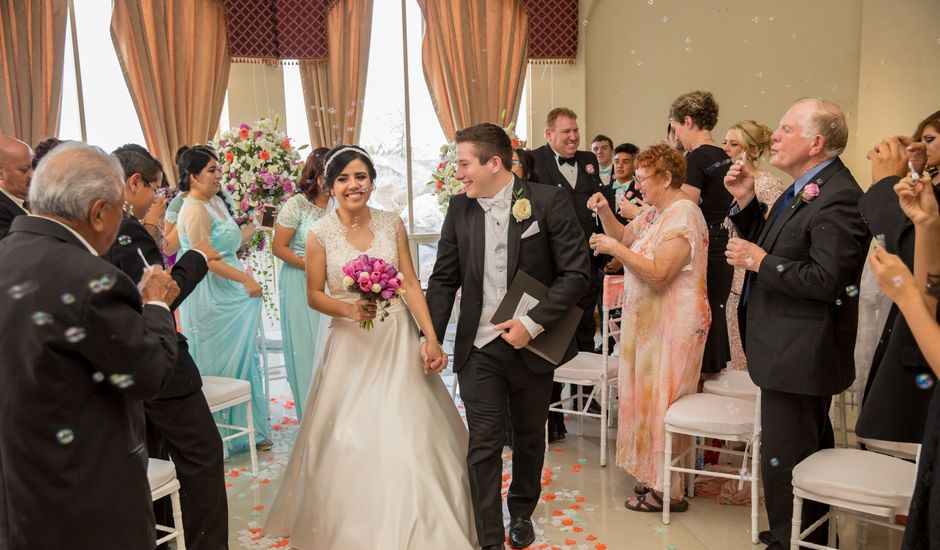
(337, 159)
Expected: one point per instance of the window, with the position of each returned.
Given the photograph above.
(110, 117)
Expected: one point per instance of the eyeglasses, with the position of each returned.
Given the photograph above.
(640, 180)
(516, 163)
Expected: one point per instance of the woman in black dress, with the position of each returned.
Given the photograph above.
(692, 117)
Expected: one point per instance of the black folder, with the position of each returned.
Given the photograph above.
(552, 343)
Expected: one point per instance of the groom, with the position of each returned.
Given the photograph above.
(500, 226)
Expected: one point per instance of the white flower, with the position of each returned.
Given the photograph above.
(400, 276)
(522, 210)
(376, 288)
(348, 281)
(363, 275)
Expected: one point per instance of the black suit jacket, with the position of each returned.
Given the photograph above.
(8, 211)
(801, 323)
(555, 256)
(894, 408)
(73, 464)
(546, 168)
(188, 271)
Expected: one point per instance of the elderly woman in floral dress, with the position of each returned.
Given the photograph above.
(665, 320)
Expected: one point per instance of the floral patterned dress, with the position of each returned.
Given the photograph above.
(662, 342)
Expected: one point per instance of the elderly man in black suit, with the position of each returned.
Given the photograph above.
(194, 445)
(15, 172)
(559, 163)
(797, 313)
(82, 348)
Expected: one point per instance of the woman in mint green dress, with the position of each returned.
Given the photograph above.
(221, 316)
(302, 327)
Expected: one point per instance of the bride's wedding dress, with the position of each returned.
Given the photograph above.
(380, 457)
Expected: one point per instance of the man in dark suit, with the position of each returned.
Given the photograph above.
(194, 445)
(503, 225)
(15, 172)
(799, 320)
(894, 408)
(83, 349)
(560, 164)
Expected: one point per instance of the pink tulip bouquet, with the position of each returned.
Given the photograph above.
(375, 280)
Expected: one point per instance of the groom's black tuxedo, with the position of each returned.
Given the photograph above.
(497, 379)
(556, 256)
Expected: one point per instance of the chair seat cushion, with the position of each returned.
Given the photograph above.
(732, 383)
(160, 472)
(221, 390)
(857, 476)
(712, 414)
(587, 366)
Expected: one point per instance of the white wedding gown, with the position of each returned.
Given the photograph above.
(380, 457)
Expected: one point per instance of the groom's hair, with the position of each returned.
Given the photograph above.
(489, 140)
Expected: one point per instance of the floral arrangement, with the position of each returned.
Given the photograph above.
(375, 280)
(260, 167)
(444, 182)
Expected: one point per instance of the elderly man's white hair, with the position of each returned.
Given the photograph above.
(71, 178)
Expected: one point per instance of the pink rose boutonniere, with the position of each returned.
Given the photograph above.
(809, 193)
(589, 169)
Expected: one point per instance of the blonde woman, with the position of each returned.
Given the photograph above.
(749, 141)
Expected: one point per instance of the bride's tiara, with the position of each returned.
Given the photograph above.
(338, 152)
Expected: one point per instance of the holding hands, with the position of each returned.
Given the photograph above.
(433, 358)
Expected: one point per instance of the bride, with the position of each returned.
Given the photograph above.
(380, 457)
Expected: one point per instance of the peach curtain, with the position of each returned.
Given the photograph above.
(474, 55)
(334, 90)
(175, 61)
(32, 53)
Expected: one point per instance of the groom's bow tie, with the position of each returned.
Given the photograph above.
(569, 160)
(495, 202)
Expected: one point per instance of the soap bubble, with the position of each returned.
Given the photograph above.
(774, 462)
(897, 280)
(124, 240)
(41, 318)
(65, 436)
(75, 335)
(18, 291)
(122, 381)
(67, 298)
(851, 291)
(924, 381)
(665, 19)
(98, 376)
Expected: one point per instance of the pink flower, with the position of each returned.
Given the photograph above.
(810, 192)
(589, 168)
(365, 285)
(394, 284)
(245, 204)
(387, 294)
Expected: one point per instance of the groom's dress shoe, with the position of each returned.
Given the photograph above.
(521, 533)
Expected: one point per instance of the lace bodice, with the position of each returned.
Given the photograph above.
(331, 234)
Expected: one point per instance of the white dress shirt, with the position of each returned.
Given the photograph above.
(567, 170)
(495, 264)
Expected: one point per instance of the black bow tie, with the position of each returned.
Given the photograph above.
(26, 206)
(569, 160)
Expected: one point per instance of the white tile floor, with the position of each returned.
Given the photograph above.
(588, 495)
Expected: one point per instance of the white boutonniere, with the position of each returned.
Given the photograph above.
(521, 207)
